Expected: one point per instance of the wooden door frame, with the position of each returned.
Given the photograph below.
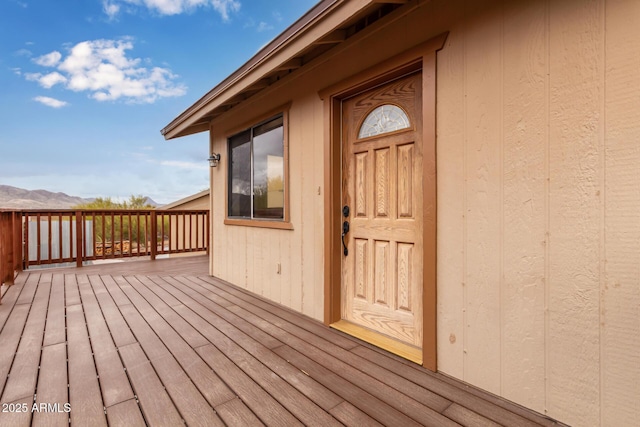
(422, 57)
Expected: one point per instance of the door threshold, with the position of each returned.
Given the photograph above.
(406, 351)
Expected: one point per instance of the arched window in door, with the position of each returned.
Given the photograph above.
(385, 118)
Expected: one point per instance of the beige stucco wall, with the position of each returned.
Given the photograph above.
(538, 199)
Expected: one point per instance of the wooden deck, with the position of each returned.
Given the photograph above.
(161, 343)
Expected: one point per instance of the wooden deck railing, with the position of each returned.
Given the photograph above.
(38, 237)
(10, 245)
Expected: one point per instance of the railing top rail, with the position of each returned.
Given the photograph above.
(180, 211)
(49, 236)
(73, 211)
(95, 211)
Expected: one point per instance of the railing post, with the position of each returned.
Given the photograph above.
(4, 248)
(15, 234)
(208, 233)
(17, 241)
(25, 241)
(3, 242)
(79, 221)
(154, 235)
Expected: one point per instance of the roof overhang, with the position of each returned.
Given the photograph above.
(185, 200)
(329, 23)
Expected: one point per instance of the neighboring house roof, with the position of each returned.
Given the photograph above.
(177, 203)
(326, 25)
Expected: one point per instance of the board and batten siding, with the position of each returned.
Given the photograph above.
(284, 266)
(538, 166)
(539, 204)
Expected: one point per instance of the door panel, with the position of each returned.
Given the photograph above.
(382, 274)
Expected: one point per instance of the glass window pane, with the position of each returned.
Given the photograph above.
(268, 170)
(384, 119)
(240, 175)
(266, 127)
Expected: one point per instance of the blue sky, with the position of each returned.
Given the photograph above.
(86, 86)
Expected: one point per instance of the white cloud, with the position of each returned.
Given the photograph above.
(23, 52)
(17, 71)
(48, 60)
(110, 8)
(51, 79)
(263, 26)
(102, 68)
(50, 102)
(47, 80)
(172, 7)
(34, 77)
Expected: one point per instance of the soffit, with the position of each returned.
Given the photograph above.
(328, 24)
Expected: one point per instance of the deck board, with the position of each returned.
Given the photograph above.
(119, 329)
(288, 316)
(360, 398)
(225, 319)
(19, 414)
(162, 343)
(125, 414)
(84, 390)
(24, 371)
(206, 380)
(321, 396)
(302, 407)
(10, 338)
(156, 405)
(215, 328)
(52, 386)
(337, 358)
(9, 299)
(182, 327)
(348, 414)
(55, 332)
(268, 409)
(459, 395)
(71, 293)
(28, 290)
(236, 413)
(113, 379)
(192, 406)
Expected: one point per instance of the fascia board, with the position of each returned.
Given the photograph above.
(325, 23)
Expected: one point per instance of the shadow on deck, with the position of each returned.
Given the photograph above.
(162, 343)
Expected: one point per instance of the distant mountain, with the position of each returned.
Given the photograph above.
(152, 202)
(19, 198)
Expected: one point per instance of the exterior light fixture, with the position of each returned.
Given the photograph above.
(214, 159)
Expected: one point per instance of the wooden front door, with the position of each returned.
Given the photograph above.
(382, 157)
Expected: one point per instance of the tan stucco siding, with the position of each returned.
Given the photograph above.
(539, 205)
